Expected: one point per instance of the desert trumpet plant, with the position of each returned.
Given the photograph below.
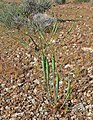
(49, 88)
(53, 89)
(51, 75)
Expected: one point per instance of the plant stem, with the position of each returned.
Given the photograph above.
(68, 95)
(48, 80)
(57, 87)
(44, 68)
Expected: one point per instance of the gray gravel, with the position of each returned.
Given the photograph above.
(22, 92)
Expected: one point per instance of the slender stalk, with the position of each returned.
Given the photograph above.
(53, 69)
(22, 42)
(48, 73)
(69, 30)
(46, 44)
(54, 30)
(41, 35)
(37, 53)
(68, 95)
(37, 46)
(53, 80)
(57, 87)
(48, 81)
(44, 68)
(55, 27)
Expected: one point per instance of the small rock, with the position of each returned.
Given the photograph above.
(35, 91)
(14, 86)
(35, 59)
(12, 118)
(36, 81)
(68, 66)
(2, 37)
(78, 107)
(54, 41)
(7, 89)
(28, 55)
(46, 113)
(2, 85)
(28, 75)
(22, 76)
(87, 49)
(29, 97)
(18, 56)
(17, 114)
(33, 101)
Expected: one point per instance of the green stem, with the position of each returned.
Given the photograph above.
(48, 80)
(57, 87)
(68, 95)
(44, 68)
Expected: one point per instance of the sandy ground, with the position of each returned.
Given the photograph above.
(21, 77)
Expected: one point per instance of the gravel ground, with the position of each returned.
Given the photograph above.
(22, 92)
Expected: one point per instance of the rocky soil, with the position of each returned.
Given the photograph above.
(21, 77)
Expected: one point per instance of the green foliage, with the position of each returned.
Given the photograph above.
(51, 82)
(2, 4)
(35, 6)
(57, 87)
(46, 71)
(44, 5)
(17, 15)
(53, 68)
(82, 0)
(91, 1)
(60, 1)
(40, 42)
(52, 89)
(6, 13)
(10, 15)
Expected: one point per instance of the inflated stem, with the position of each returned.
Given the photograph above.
(44, 67)
(53, 68)
(48, 81)
(57, 86)
(48, 72)
(68, 94)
